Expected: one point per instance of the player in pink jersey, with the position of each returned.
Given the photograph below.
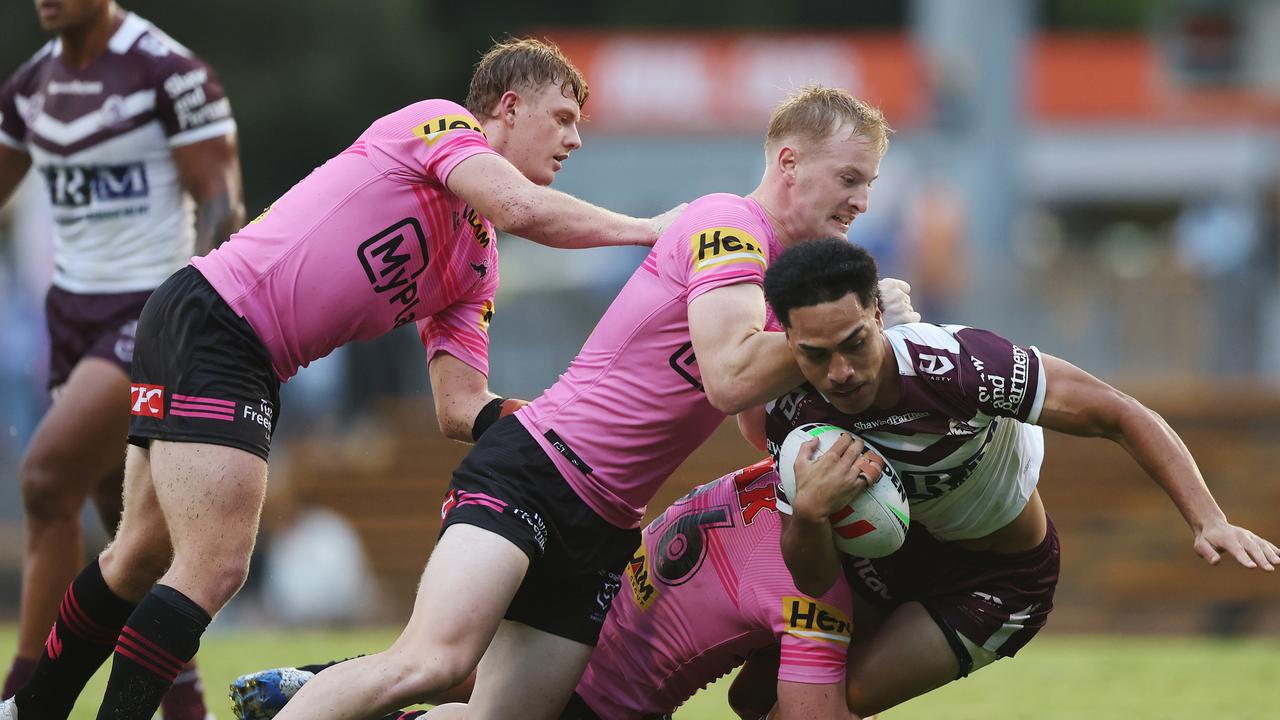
(128, 131)
(958, 411)
(394, 229)
(706, 589)
(543, 514)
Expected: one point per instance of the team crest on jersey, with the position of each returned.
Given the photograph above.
(432, 130)
(486, 315)
(815, 620)
(718, 246)
(643, 590)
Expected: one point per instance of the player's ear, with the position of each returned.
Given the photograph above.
(507, 105)
(787, 162)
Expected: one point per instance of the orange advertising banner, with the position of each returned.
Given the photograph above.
(664, 82)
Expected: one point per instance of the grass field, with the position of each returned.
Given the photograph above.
(1055, 678)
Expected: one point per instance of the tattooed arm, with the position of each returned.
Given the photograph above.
(210, 171)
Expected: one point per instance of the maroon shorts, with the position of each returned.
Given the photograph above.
(996, 600)
(82, 325)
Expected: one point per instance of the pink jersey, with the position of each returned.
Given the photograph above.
(708, 587)
(631, 407)
(369, 241)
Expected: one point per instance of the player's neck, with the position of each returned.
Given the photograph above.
(85, 43)
(769, 202)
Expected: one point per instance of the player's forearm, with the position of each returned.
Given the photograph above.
(550, 217)
(217, 217)
(810, 554)
(1162, 454)
(757, 370)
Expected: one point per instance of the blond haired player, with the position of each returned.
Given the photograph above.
(397, 228)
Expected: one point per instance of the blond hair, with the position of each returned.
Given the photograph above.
(522, 64)
(814, 113)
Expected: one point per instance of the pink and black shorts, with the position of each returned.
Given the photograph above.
(200, 373)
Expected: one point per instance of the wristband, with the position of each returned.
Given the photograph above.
(487, 416)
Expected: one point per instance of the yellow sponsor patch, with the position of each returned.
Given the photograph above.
(718, 246)
(435, 128)
(642, 591)
(811, 619)
(262, 215)
(486, 315)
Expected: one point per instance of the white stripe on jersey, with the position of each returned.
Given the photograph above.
(65, 134)
(212, 130)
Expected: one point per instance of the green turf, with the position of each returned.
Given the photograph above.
(1055, 678)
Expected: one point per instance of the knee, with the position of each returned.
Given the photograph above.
(416, 681)
(138, 565)
(46, 495)
(858, 698)
(223, 583)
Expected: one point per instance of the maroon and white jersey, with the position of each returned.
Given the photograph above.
(962, 436)
(101, 139)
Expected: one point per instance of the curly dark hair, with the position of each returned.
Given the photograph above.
(819, 271)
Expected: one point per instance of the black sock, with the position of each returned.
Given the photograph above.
(89, 620)
(323, 666)
(160, 637)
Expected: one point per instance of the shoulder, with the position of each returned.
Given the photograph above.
(719, 229)
(433, 119)
(25, 76)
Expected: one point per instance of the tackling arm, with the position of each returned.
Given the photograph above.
(460, 393)
(1077, 403)
(801, 700)
(210, 171)
(742, 365)
(516, 205)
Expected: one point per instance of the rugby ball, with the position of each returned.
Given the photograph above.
(875, 523)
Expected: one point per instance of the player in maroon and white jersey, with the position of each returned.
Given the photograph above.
(956, 410)
(133, 137)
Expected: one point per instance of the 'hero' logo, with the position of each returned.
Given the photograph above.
(148, 400)
(79, 185)
(724, 245)
(393, 259)
(432, 130)
(813, 620)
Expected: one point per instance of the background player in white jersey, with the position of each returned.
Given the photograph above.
(706, 589)
(543, 514)
(956, 410)
(394, 229)
(130, 132)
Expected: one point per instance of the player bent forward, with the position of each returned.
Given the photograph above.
(707, 588)
(958, 412)
(394, 229)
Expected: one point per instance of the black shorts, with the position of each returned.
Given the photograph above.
(85, 325)
(996, 600)
(508, 486)
(200, 373)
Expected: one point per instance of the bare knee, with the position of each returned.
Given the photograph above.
(415, 678)
(47, 496)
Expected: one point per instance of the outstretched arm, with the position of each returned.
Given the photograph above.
(210, 171)
(514, 204)
(1077, 403)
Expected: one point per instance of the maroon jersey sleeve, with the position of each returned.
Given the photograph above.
(998, 377)
(190, 101)
(13, 126)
